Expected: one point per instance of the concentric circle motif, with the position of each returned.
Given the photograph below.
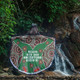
(51, 53)
(40, 61)
(28, 40)
(45, 63)
(19, 61)
(24, 48)
(18, 51)
(43, 40)
(14, 59)
(48, 54)
(37, 40)
(49, 61)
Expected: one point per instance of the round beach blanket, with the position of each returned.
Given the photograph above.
(32, 54)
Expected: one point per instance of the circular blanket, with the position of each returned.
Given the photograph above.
(32, 54)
